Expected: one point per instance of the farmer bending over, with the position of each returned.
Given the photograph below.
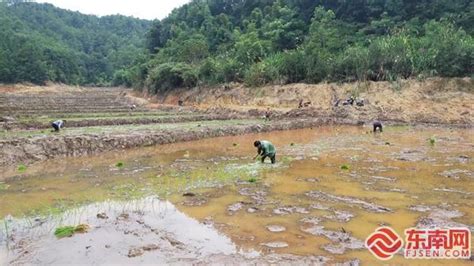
(265, 149)
(378, 125)
(57, 125)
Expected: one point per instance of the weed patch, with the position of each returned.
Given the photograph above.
(68, 231)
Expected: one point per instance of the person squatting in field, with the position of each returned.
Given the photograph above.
(57, 125)
(265, 149)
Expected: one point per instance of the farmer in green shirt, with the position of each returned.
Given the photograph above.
(265, 149)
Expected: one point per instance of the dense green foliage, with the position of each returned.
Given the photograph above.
(39, 43)
(283, 41)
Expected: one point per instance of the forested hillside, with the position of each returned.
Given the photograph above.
(39, 43)
(284, 41)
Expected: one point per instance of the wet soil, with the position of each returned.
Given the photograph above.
(206, 201)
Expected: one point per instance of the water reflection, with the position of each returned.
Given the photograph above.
(116, 228)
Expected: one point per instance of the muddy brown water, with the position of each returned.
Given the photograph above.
(238, 210)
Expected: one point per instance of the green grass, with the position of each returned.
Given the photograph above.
(119, 165)
(345, 167)
(3, 186)
(68, 231)
(22, 168)
(432, 141)
(252, 180)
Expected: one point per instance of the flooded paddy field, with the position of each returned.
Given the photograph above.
(208, 201)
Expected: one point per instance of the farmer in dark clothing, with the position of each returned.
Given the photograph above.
(378, 125)
(57, 125)
(265, 149)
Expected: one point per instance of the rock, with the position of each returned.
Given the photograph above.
(348, 200)
(189, 194)
(150, 247)
(124, 216)
(252, 209)
(277, 244)
(456, 173)
(135, 252)
(340, 216)
(276, 228)
(319, 206)
(389, 179)
(102, 215)
(289, 210)
(342, 240)
(235, 207)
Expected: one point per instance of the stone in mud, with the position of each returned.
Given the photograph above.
(383, 178)
(135, 252)
(340, 216)
(451, 190)
(309, 180)
(354, 262)
(341, 240)
(276, 228)
(348, 200)
(124, 216)
(460, 159)
(150, 247)
(277, 244)
(256, 194)
(173, 242)
(456, 173)
(319, 206)
(439, 217)
(413, 156)
(235, 207)
(311, 220)
(252, 209)
(334, 248)
(102, 215)
(290, 210)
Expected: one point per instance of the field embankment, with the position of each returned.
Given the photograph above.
(105, 119)
(432, 101)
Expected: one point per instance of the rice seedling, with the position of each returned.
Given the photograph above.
(345, 167)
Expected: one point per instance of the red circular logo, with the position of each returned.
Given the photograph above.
(384, 243)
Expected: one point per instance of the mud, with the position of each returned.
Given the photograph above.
(319, 195)
(326, 211)
(150, 233)
(27, 150)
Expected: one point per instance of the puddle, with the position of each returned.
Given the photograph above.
(329, 183)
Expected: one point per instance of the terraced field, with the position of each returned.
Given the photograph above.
(98, 119)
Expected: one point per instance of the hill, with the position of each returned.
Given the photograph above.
(209, 42)
(39, 43)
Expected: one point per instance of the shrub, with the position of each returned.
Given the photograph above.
(390, 57)
(171, 75)
(122, 78)
(262, 73)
